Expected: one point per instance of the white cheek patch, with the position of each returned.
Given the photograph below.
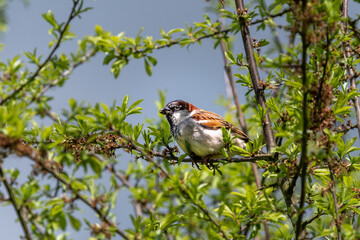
(176, 117)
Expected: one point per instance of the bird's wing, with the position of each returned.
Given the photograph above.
(211, 120)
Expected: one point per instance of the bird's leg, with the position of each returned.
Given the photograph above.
(194, 159)
(205, 162)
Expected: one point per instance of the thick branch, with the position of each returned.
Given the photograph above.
(350, 70)
(241, 119)
(304, 141)
(41, 66)
(17, 208)
(254, 73)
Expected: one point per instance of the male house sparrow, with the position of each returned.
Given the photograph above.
(198, 130)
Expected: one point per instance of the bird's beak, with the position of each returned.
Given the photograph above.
(165, 111)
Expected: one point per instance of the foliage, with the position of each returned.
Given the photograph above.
(310, 179)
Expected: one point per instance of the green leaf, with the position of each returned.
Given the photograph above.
(152, 60)
(49, 17)
(171, 220)
(75, 223)
(148, 68)
(271, 103)
(263, 42)
(56, 209)
(240, 151)
(229, 55)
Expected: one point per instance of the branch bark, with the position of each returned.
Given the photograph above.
(304, 141)
(350, 70)
(241, 119)
(254, 73)
(16, 206)
(258, 89)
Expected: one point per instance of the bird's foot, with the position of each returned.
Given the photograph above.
(194, 159)
(206, 163)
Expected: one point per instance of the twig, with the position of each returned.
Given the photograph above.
(310, 220)
(40, 67)
(350, 70)
(34, 223)
(144, 154)
(266, 157)
(17, 208)
(333, 192)
(225, 31)
(270, 15)
(206, 212)
(64, 74)
(353, 23)
(304, 141)
(124, 181)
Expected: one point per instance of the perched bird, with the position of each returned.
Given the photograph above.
(199, 131)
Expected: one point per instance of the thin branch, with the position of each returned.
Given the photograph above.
(34, 223)
(221, 32)
(63, 75)
(26, 150)
(353, 23)
(310, 220)
(333, 192)
(82, 198)
(125, 182)
(265, 157)
(144, 154)
(270, 16)
(347, 48)
(206, 212)
(72, 15)
(17, 208)
(304, 141)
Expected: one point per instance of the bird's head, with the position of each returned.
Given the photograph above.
(177, 111)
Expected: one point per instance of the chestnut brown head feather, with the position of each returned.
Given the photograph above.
(177, 105)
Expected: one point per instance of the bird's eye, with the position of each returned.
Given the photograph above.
(177, 108)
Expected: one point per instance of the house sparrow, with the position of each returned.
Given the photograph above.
(199, 131)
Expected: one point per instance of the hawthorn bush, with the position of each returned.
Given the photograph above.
(297, 179)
